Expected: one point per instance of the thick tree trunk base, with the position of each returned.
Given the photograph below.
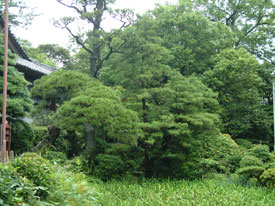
(52, 134)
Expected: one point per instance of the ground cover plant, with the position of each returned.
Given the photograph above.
(207, 192)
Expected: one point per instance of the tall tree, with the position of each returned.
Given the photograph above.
(235, 76)
(96, 39)
(252, 21)
(191, 37)
(174, 110)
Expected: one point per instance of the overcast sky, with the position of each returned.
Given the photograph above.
(42, 30)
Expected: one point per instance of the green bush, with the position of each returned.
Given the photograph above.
(108, 166)
(249, 160)
(40, 133)
(260, 151)
(250, 172)
(72, 190)
(253, 182)
(15, 190)
(268, 178)
(244, 143)
(36, 169)
(211, 166)
(79, 164)
(218, 147)
(232, 162)
(35, 182)
(55, 157)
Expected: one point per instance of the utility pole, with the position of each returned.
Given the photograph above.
(4, 103)
(272, 77)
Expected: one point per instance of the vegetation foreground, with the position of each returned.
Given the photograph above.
(31, 180)
(182, 192)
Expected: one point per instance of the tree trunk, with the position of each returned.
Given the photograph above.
(52, 134)
(93, 63)
(148, 165)
(89, 133)
(95, 58)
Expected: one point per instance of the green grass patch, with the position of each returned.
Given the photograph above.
(181, 192)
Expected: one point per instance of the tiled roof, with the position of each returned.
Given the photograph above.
(35, 66)
(24, 60)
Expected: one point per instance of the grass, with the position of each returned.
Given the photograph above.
(184, 193)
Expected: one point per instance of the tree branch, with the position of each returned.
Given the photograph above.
(258, 23)
(71, 6)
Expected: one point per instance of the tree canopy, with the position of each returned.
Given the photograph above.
(175, 88)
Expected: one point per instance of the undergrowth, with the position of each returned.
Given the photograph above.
(31, 180)
(181, 192)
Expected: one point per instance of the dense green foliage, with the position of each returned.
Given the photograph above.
(234, 75)
(31, 180)
(37, 170)
(18, 97)
(181, 192)
(174, 90)
(251, 21)
(19, 102)
(20, 186)
(14, 188)
(179, 94)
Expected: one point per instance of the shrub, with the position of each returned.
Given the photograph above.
(36, 169)
(260, 151)
(55, 157)
(232, 162)
(268, 178)
(249, 160)
(250, 172)
(72, 190)
(253, 182)
(108, 166)
(218, 147)
(210, 166)
(79, 164)
(61, 187)
(15, 190)
(244, 143)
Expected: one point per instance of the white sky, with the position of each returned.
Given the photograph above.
(42, 30)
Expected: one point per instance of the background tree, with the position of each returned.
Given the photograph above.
(96, 39)
(253, 23)
(191, 37)
(235, 76)
(79, 61)
(19, 13)
(179, 114)
(36, 54)
(59, 55)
